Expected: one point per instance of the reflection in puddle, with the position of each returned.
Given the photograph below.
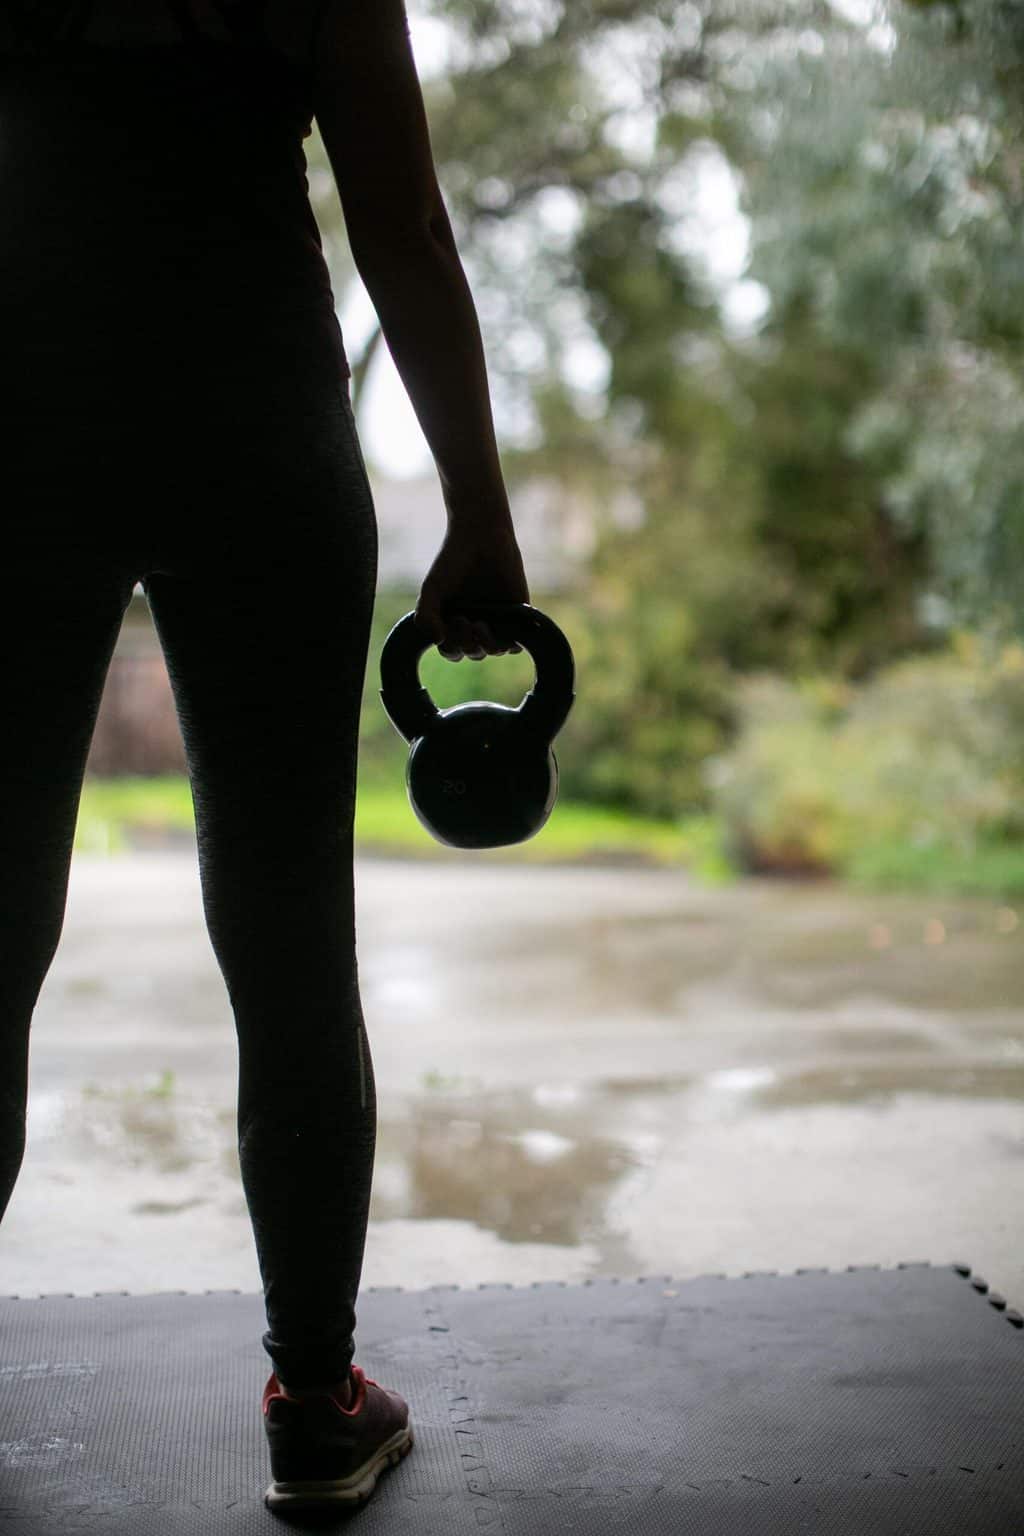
(535, 1166)
(525, 1182)
(543, 1146)
(150, 1126)
(164, 1207)
(574, 1076)
(740, 1079)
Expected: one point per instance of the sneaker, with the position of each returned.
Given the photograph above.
(324, 1454)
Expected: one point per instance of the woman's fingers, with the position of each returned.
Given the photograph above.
(459, 641)
(474, 639)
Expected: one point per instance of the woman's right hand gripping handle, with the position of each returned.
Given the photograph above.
(479, 562)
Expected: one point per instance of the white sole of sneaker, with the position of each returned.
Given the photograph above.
(352, 1490)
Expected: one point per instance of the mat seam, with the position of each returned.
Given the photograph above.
(994, 1298)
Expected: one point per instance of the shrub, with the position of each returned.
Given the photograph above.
(928, 754)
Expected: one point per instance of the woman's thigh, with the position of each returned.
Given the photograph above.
(262, 596)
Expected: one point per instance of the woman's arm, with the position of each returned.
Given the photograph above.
(369, 107)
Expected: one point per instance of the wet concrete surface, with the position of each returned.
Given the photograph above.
(579, 1071)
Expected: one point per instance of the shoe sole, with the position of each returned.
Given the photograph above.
(351, 1491)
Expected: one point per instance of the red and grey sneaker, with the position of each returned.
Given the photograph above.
(322, 1454)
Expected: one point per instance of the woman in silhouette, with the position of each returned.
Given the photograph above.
(176, 412)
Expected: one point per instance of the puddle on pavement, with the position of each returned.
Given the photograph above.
(534, 1166)
(782, 1001)
(150, 1125)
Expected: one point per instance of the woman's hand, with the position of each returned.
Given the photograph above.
(477, 563)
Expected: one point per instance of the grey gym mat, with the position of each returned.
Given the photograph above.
(866, 1402)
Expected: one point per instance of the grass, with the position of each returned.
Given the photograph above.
(117, 814)
(991, 870)
(110, 808)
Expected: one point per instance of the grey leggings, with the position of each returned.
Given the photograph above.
(256, 543)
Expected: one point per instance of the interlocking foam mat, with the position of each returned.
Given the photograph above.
(861, 1403)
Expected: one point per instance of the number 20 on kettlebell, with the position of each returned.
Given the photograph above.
(481, 775)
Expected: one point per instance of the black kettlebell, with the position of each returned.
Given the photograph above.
(481, 775)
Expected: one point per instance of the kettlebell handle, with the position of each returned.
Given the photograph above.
(544, 709)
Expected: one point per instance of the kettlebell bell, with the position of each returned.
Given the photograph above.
(481, 775)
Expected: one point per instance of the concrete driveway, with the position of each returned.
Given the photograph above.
(579, 1071)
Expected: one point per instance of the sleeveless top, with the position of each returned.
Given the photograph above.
(157, 243)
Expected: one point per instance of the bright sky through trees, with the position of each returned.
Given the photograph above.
(704, 199)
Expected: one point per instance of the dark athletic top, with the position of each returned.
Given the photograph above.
(157, 242)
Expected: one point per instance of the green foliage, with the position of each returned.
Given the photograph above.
(641, 299)
(991, 869)
(821, 498)
(883, 181)
(116, 814)
(929, 755)
(849, 576)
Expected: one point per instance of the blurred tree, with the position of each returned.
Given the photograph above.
(827, 492)
(884, 180)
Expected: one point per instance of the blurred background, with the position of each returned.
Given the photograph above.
(751, 287)
(752, 295)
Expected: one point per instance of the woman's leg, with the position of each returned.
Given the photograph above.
(266, 646)
(59, 622)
